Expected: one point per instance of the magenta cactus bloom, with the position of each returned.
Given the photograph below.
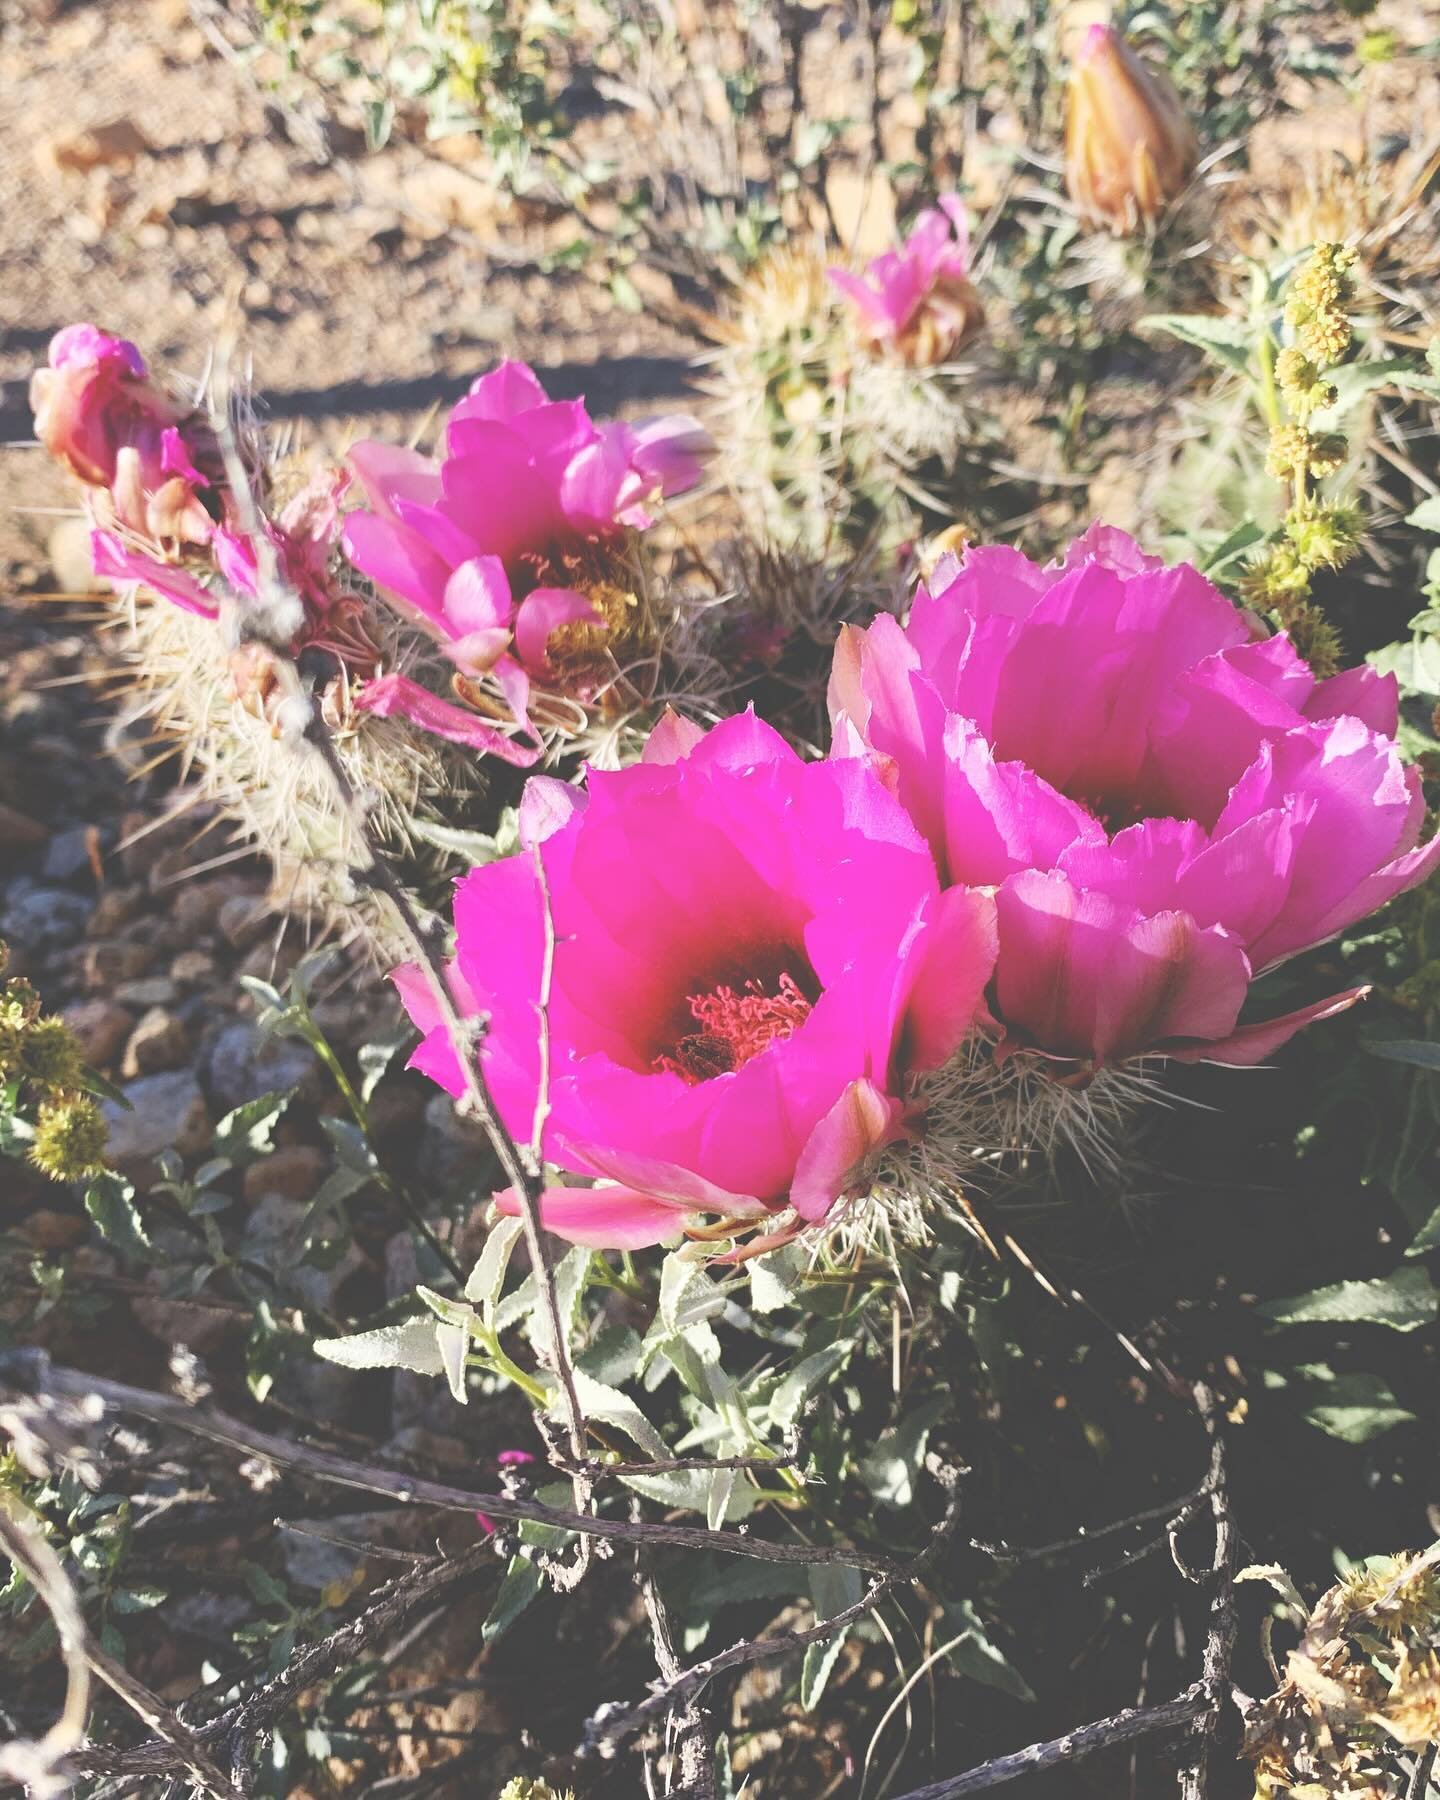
(752, 953)
(477, 546)
(918, 302)
(97, 412)
(1166, 802)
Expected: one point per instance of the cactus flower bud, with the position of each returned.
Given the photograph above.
(97, 412)
(1129, 148)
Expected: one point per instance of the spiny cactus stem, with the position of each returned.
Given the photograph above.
(269, 619)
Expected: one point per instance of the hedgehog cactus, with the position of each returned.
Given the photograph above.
(836, 394)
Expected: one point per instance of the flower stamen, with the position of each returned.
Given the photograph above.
(733, 1028)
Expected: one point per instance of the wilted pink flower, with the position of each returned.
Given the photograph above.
(506, 1459)
(1167, 803)
(751, 954)
(918, 301)
(480, 546)
(97, 412)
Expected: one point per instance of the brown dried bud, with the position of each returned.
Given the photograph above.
(1129, 148)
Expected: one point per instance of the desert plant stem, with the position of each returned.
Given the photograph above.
(30, 1372)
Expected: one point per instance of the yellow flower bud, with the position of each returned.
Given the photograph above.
(1129, 148)
(70, 1138)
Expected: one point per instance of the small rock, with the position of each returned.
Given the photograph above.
(18, 831)
(199, 1327)
(116, 906)
(101, 1027)
(166, 1112)
(245, 919)
(452, 1150)
(242, 1063)
(149, 990)
(44, 1229)
(193, 968)
(272, 1238)
(159, 1041)
(118, 142)
(109, 962)
(294, 1172)
(68, 854)
(197, 903)
(43, 918)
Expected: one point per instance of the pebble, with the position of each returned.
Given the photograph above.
(244, 919)
(18, 831)
(102, 1029)
(109, 962)
(116, 906)
(293, 1172)
(119, 141)
(149, 990)
(242, 1063)
(159, 1041)
(192, 968)
(43, 918)
(68, 854)
(196, 905)
(166, 1112)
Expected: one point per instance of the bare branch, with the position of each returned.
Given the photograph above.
(30, 1371)
(39, 1765)
(43, 1767)
(1221, 1635)
(612, 1724)
(1121, 1728)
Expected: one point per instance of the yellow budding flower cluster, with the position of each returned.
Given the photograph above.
(40, 1060)
(521, 1789)
(1315, 534)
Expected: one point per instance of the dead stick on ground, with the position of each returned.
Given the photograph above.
(29, 1373)
(1085, 1740)
(613, 1724)
(40, 1766)
(1221, 1633)
(695, 1752)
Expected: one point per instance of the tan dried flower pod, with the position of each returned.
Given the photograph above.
(1129, 147)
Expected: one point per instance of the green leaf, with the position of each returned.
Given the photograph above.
(376, 1057)
(410, 1345)
(1428, 1236)
(244, 1135)
(774, 1278)
(473, 847)
(1426, 516)
(16, 1134)
(521, 1584)
(1422, 1052)
(976, 1656)
(1226, 340)
(833, 1587)
(1404, 1301)
(110, 1202)
(137, 1599)
(808, 1375)
(1357, 1408)
(487, 1278)
(1242, 538)
(890, 1469)
(1355, 381)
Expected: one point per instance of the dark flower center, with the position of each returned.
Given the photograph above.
(734, 1026)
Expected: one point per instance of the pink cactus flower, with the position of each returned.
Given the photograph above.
(752, 953)
(1166, 802)
(918, 302)
(505, 1459)
(471, 545)
(97, 412)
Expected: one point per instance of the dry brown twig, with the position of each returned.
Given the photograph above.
(30, 1372)
(612, 1724)
(44, 1768)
